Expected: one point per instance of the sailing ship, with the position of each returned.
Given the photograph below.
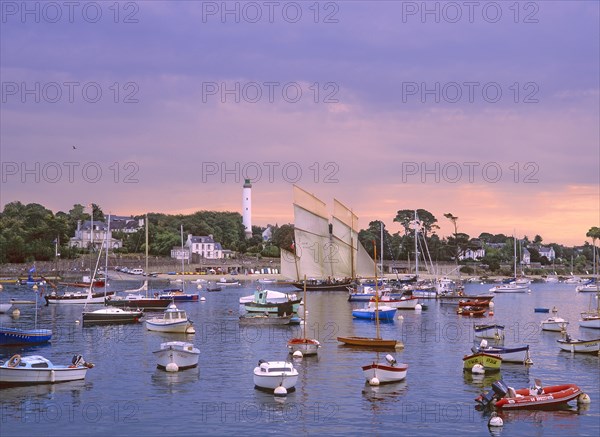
(328, 254)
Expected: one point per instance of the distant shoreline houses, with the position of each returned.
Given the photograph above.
(478, 253)
(197, 248)
(96, 234)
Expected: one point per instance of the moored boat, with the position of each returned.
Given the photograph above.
(383, 313)
(473, 311)
(518, 354)
(493, 331)
(17, 336)
(270, 375)
(583, 346)
(537, 397)
(77, 297)
(385, 373)
(488, 361)
(112, 315)
(179, 353)
(175, 294)
(555, 324)
(173, 320)
(35, 369)
(402, 303)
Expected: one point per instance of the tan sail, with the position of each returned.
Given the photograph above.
(289, 265)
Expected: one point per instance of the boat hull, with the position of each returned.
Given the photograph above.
(342, 286)
(77, 298)
(368, 342)
(271, 382)
(14, 336)
(494, 332)
(581, 346)
(551, 397)
(384, 372)
(371, 314)
(185, 355)
(488, 361)
(157, 325)
(143, 304)
(510, 355)
(304, 345)
(554, 325)
(112, 315)
(590, 322)
(15, 376)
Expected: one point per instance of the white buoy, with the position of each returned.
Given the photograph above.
(190, 330)
(77, 322)
(172, 367)
(202, 299)
(477, 369)
(400, 317)
(491, 305)
(495, 420)
(280, 391)
(199, 287)
(16, 312)
(374, 381)
(418, 307)
(297, 354)
(584, 398)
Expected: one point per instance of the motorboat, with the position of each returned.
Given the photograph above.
(489, 362)
(383, 312)
(555, 324)
(385, 373)
(260, 305)
(504, 397)
(473, 311)
(140, 301)
(108, 315)
(402, 303)
(474, 302)
(175, 294)
(173, 320)
(271, 296)
(213, 286)
(35, 369)
(493, 331)
(584, 346)
(270, 375)
(518, 354)
(177, 353)
(510, 288)
(589, 287)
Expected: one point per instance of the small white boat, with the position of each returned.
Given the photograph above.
(35, 369)
(183, 355)
(173, 320)
(494, 332)
(110, 315)
(308, 346)
(272, 374)
(385, 373)
(591, 287)
(554, 323)
(576, 280)
(515, 354)
(585, 346)
(590, 320)
(510, 288)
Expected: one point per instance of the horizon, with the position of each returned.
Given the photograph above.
(486, 111)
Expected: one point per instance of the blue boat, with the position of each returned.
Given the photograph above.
(541, 310)
(385, 313)
(16, 336)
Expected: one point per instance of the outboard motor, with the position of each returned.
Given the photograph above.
(483, 344)
(500, 388)
(77, 360)
(390, 359)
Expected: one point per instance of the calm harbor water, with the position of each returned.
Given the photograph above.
(125, 394)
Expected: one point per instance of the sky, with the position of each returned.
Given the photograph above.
(487, 110)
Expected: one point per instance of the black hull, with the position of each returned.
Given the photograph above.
(142, 304)
(158, 366)
(342, 286)
(76, 298)
(107, 320)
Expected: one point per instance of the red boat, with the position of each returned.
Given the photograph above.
(98, 283)
(474, 311)
(474, 303)
(536, 397)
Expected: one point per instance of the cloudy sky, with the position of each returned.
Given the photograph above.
(487, 110)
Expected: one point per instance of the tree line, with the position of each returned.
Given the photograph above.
(32, 232)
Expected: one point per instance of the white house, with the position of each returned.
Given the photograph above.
(85, 236)
(474, 254)
(204, 247)
(526, 257)
(548, 252)
(180, 253)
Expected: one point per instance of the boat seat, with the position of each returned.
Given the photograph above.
(512, 393)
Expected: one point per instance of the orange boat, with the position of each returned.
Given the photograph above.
(473, 311)
(474, 303)
(537, 397)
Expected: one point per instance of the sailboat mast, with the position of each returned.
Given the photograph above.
(515, 254)
(416, 248)
(304, 306)
(106, 257)
(381, 223)
(146, 251)
(352, 270)
(376, 292)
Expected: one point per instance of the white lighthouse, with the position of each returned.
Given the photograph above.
(247, 208)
